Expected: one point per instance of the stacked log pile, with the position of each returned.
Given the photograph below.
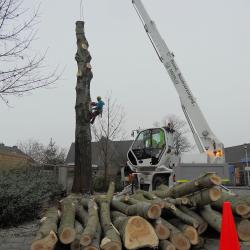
(167, 218)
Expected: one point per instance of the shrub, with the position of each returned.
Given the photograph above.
(22, 193)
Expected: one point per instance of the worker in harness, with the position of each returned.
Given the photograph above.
(97, 109)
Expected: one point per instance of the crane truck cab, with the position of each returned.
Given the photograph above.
(151, 158)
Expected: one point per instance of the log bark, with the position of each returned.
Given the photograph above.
(204, 197)
(189, 231)
(75, 245)
(161, 230)
(81, 215)
(200, 245)
(46, 236)
(135, 231)
(95, 244)
(143, 209)
(83, 166)
(212, 217)
(111, 240)
(206, 181)
(176, 236)
(166, 245)
(66, 230)
(91, 226)
(202, 223)
(238, 205)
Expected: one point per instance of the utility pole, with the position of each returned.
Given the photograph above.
(247, 169)
(83, 164)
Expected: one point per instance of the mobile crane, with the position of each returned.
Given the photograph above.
(151, 156)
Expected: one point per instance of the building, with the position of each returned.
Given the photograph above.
(12, 157)
(116, 156)
(238, 158)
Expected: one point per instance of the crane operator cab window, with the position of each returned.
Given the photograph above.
(149, 144)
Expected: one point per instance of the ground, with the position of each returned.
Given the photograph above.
(20, 238)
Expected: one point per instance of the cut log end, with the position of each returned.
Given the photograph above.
(214, 194)
(154, 212)
(242, 209)
(202, 228)
(166, 245)
(46, 243)
(180, 241)
(107, 244)
(192, 234)
(215, 179)
(139, 233)
(244, 230)
(85, 240)
(162, 231)
(67, 235)
(90, 248)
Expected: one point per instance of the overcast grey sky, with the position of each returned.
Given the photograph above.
(211, 43)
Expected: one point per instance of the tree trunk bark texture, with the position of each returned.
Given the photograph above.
(83, 166)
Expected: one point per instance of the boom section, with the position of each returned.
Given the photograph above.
(204, 137)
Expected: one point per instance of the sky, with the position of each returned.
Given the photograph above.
(211, 43)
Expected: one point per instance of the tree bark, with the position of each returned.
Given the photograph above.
(206, 181)
(143, 209)
(66, 230)
(46, 236)
(212, 217)
(202, 223)
(95, 244)
(166, 245)
(204, 197)
(135, 231)
(238, 205)
(176, 236)
(75, 245)
(91, 227)
(189, 231)
(83, 166)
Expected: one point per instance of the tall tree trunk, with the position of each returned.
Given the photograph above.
(83, 170)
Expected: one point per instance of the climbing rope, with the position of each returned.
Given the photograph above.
(81, 10)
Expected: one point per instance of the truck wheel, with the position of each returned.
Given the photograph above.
(158, 180)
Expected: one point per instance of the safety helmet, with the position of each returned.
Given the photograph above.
(98, 98)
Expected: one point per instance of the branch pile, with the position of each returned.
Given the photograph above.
(167, 218)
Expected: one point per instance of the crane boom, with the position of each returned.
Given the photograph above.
(205, 139)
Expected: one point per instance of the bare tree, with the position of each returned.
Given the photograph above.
(181, 142)
(20, 68)
(41, 154)
(108, 128)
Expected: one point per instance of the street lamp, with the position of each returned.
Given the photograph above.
(247, 168)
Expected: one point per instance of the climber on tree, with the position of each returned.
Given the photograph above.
(97, 109)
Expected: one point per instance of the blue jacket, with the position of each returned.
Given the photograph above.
(100, 104)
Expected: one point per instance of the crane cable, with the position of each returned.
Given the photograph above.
(81, 10)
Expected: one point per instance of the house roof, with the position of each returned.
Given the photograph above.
(119, 149)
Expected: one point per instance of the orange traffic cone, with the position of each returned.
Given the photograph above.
(228, 237)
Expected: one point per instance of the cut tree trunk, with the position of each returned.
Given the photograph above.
(82, 215)
(238, 205)
(66, 230)
(243, 228)
(189, 231)
(111, 240)
(46, 236)
(83, 166)
(206, 181)
(166, 245)
(75, 245)
(212, 217)
(143, 209)
(91, 226)
(95, 244)
(202, 223)
(204, 197)
(176, 236)
(135, 231)
(161, 230)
